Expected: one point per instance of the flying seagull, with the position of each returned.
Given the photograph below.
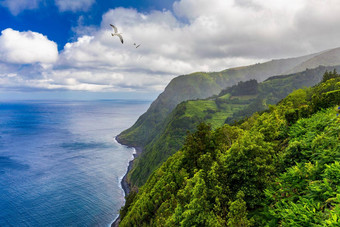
(137, 45)
(116, 33)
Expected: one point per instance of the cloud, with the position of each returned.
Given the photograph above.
(74, 5)
(17, 6)
(196, 35)
(26, 47)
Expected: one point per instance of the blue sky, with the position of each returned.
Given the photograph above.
(64, 48)
(56, 23)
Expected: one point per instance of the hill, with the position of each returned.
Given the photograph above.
(327, 58)
(202, 85)
(280, 167)
(232, 104)
(199, 85)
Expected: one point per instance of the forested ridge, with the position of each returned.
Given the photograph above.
(231, 104)
(279, 167)
(150, 130)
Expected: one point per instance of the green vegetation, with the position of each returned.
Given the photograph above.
(152, 125)
(193, 86)
(232, 104)
(327, 58)
(280, 167)
(201, 85)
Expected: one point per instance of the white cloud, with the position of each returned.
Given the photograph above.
(198, 35)
(17, 6)
(74, 5)
(26, 47)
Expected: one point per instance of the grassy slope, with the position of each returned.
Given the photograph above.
(278, 168)
(152, 124)
(196, 85)
(187, 115)
(328, 58)
(199, 85)
(276, 88)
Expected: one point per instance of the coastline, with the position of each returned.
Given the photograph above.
(124, 184)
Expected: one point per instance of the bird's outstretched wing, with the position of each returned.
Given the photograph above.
(114, 27)
(136, 45)
(121, 38)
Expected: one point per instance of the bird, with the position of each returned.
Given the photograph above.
(116, 33)
(137, 45)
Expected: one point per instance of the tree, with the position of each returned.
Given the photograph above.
(329, 75)
(248, 166)
(238, 212)
(197, 144)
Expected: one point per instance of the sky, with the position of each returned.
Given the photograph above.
(64, 49)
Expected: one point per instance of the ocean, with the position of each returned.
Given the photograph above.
(59, 162)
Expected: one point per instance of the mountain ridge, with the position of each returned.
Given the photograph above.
(278, 167)
(231, 105)
(201, 85)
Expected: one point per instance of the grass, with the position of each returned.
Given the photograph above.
(218, 118)
(199, 108)
(244, 97)
(226, 96)
(208, 111)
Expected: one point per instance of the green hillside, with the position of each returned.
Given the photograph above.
(280, 167)
(199, 85)
(327, 58)
(152, 125)
(193, 86)
(232, 104)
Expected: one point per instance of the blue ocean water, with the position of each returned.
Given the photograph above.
(59, 162)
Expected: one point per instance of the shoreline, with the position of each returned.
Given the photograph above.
(124, 184)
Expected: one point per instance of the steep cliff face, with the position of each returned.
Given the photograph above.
(193, 86)
(151, 125)
(232, 104)
(278, 167)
